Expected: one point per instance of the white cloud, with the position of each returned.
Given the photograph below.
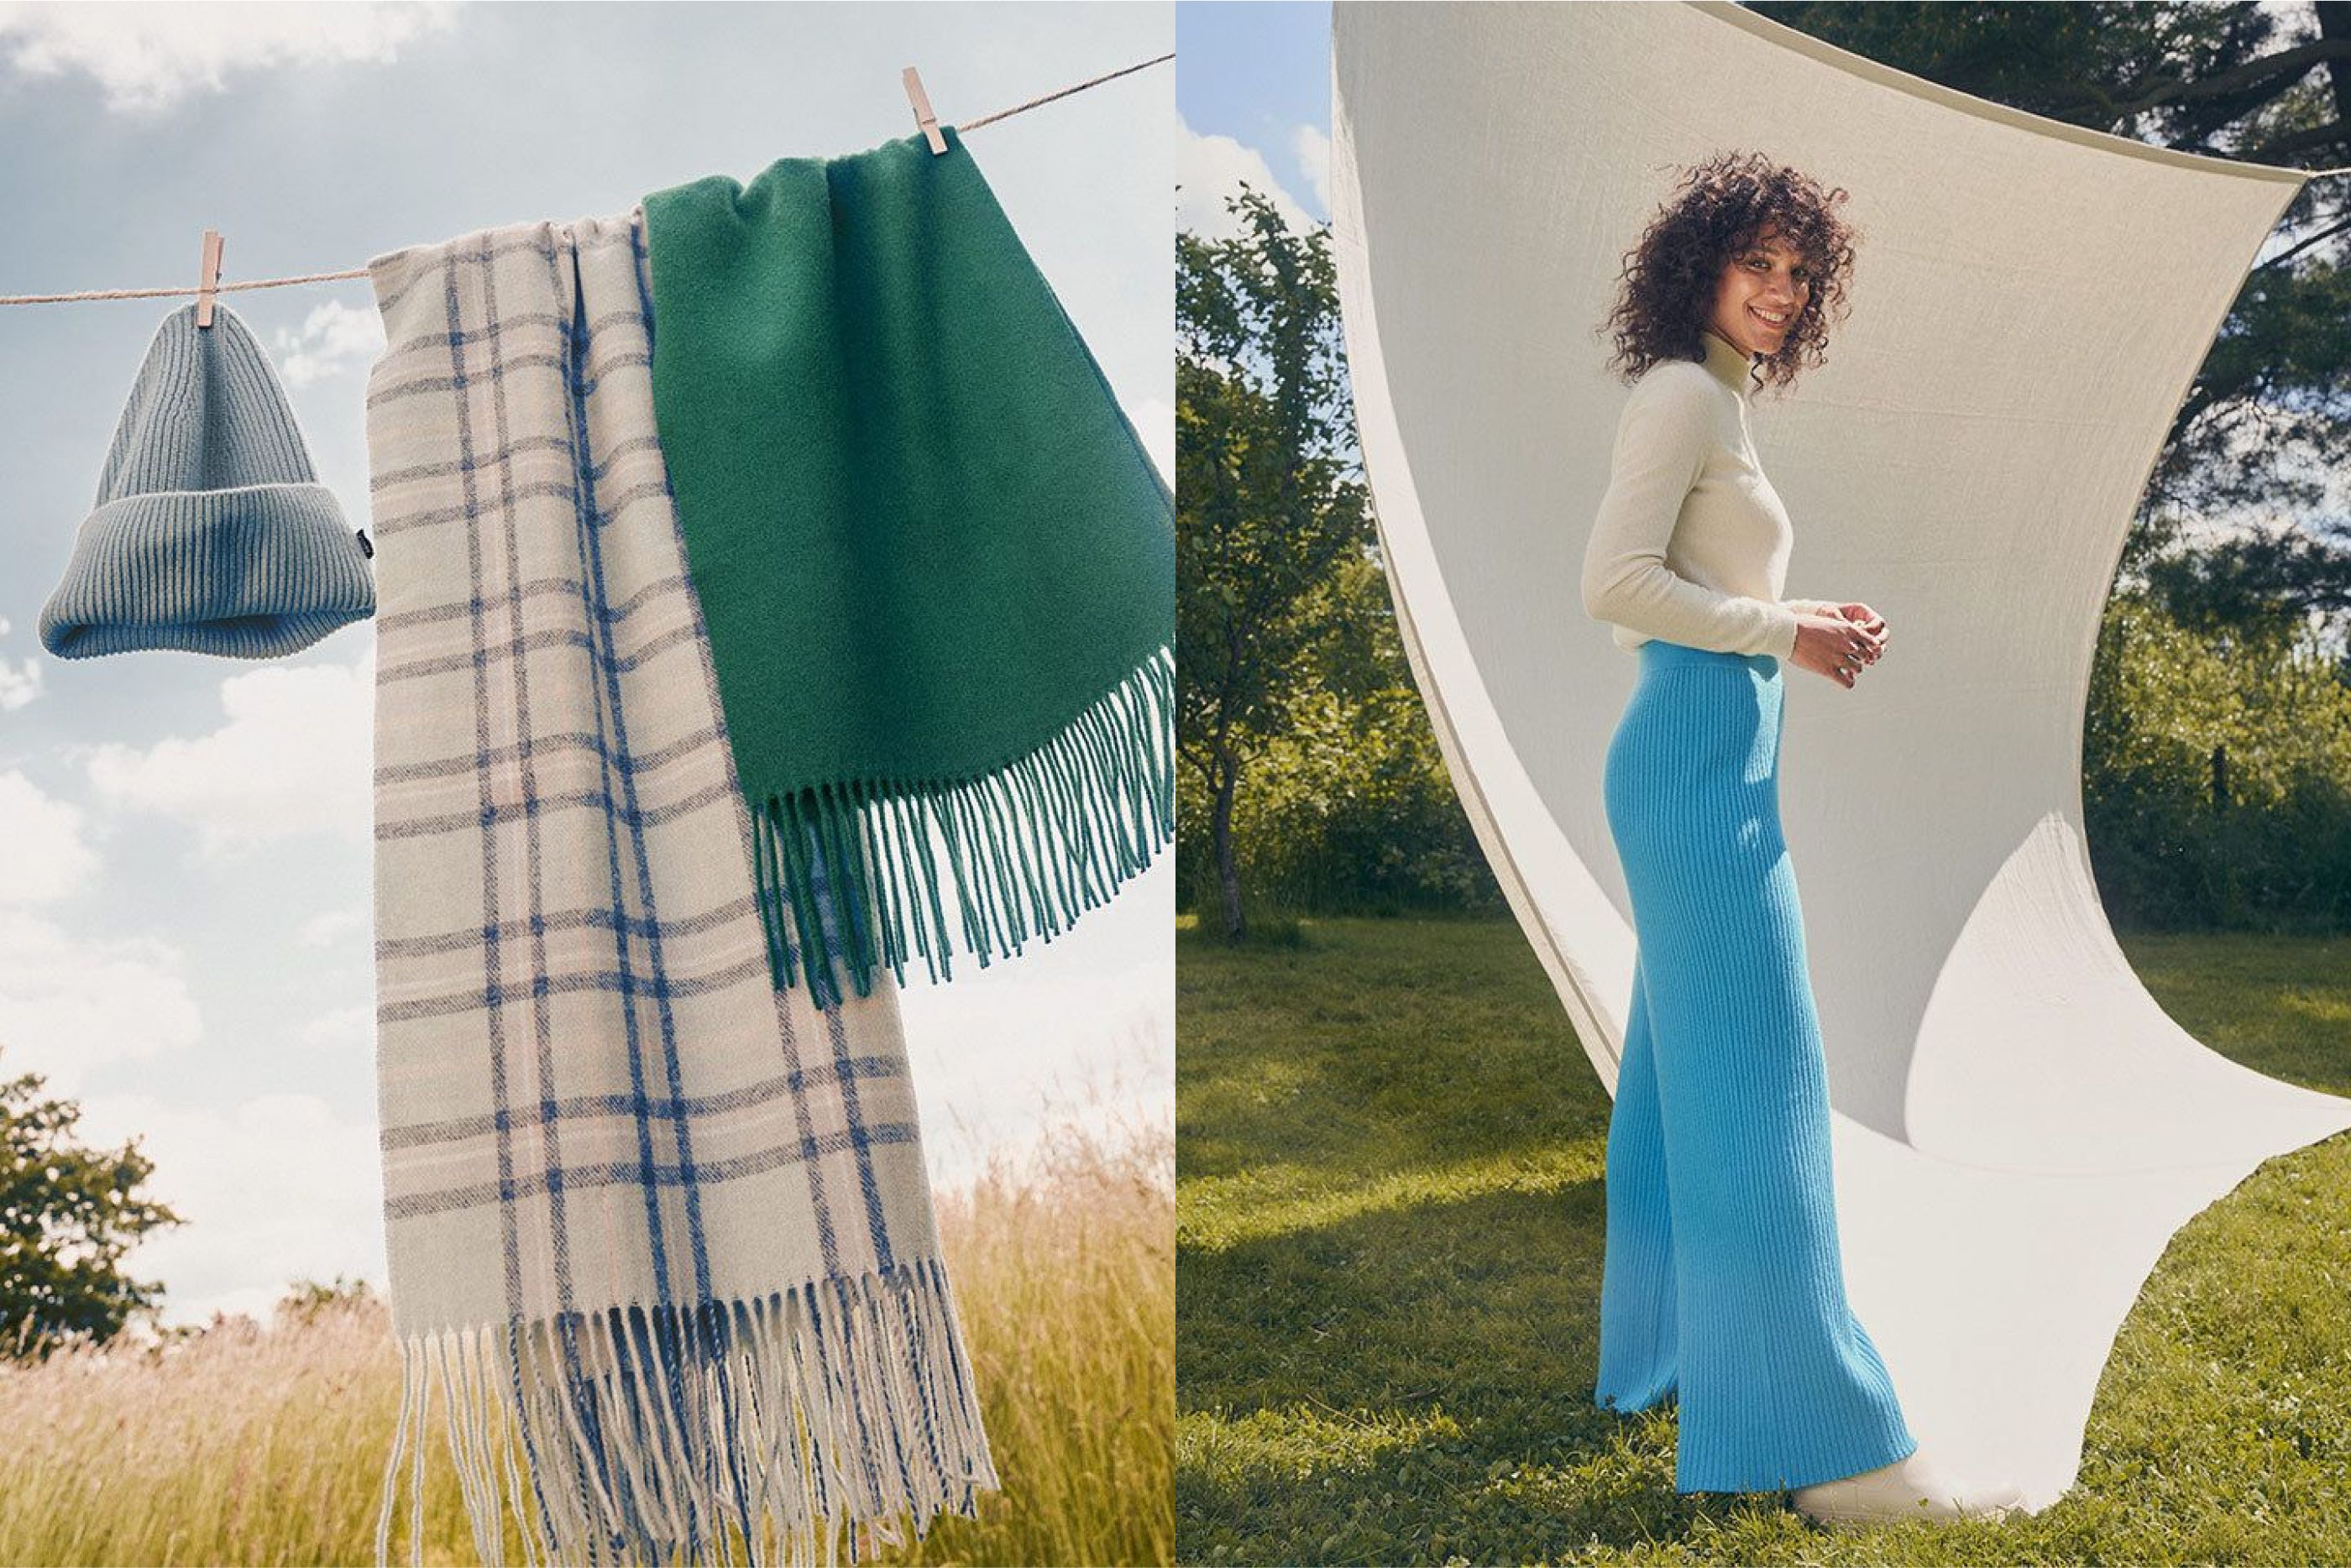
(147, 58)
(328, 929)
(345, 1032)
(1210, 168)
(294, 758)
(250, 1230)
(19, 684)
(1313, 150)
(335, 339)
(47, 857)
(67, 1005)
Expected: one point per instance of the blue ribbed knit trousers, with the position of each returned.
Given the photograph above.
(1723, 1286)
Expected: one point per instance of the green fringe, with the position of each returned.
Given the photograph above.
(848, 874)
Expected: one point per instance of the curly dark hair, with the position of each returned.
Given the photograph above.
(1724, 205)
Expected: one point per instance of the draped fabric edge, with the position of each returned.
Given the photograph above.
(626, 1429)
(769, 1424)
(1549, 890)
(849, 875)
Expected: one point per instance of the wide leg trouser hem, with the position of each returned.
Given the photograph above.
(1834, 1464)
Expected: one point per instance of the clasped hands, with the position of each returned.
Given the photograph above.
(1840, 641)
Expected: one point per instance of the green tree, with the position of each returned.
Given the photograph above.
(1268, 499)
(1351, 810)
(68, 1214)
(2217, 774)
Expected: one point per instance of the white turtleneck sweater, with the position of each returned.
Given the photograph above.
(1691, 543)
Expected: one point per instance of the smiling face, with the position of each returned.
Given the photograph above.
(1761, 291)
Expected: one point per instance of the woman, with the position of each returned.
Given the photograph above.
(1722, 1285)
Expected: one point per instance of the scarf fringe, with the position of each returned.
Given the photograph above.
(848, 875)
(635, 1434)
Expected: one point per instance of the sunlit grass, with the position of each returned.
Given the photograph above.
(1391, 1220)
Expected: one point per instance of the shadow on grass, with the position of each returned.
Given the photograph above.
(1390, 1228)
(1411, 1383)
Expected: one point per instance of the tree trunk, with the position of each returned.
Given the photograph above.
(1228, 876)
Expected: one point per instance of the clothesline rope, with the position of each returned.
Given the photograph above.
(190, 290)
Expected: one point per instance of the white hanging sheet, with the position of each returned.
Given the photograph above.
(2020, 1128)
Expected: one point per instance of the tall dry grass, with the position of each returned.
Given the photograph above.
(267, 1447)
(1065, 1270)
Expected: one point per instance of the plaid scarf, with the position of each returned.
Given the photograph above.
(660, 1235)
(937, 567)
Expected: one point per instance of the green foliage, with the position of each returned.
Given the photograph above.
(2112, 65)
(68, 1215)
(1353, 812)
(1311, 778)
(1389, 1225)
(2259, 838)
(1267, 501)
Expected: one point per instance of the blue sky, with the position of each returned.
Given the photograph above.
(1254, 95)
(184, 938)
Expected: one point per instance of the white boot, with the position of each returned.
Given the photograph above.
(1908, 1488)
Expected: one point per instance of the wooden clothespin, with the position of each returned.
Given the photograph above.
(209, 281)
(923, 115)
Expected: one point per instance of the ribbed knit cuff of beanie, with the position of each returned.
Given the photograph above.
(212, 532)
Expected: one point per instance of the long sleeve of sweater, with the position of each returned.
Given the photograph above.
(1682, 461)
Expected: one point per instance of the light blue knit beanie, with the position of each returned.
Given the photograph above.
(213, 534)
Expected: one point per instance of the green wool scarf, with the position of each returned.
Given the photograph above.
(936, 567)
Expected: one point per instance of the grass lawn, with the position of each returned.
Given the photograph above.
(1389, 1231)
